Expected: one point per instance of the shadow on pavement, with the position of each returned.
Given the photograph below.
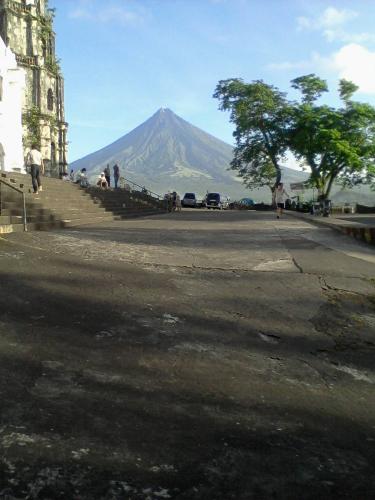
(115, 385)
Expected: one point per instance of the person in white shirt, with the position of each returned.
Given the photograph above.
(82, 179)
(102, 181)
(280, 196)
(35, 162)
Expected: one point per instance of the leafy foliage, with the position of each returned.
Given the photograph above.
(261, 115)
(32, 119)
(256, 176)
(310, 86)
(336, 143)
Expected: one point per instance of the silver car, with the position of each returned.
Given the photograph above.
(189, 200)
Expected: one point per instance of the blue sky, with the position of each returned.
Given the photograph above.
(124, 59)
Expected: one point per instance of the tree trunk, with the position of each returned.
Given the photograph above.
(329, 186)
(273, 195)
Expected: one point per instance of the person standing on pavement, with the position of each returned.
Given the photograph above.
(174, 201)
(35, 162)
(116, 174)
(178, 203)
(280, 196)
(107, 174)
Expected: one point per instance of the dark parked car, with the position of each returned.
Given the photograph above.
(215, 200)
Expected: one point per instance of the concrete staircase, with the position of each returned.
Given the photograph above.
(63, 204)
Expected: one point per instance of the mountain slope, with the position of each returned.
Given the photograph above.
(167, 153)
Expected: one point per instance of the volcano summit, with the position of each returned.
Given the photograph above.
(168, 153)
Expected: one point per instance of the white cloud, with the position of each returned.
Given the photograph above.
(287, 65)
(80, 13)
(331, 18)
(332, 24)
(113, 13)
(307, 64)
(353, 62)
(119, 14)
(356, 63)
(342, 36)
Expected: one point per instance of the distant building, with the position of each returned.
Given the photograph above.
(12, 85)
(26, 27)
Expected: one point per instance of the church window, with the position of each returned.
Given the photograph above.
(53, 154)
(50, 100)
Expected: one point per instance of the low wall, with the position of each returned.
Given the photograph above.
(360, 233)
(363, 209)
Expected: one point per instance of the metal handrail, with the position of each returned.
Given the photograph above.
(143, 188)
(7, 184)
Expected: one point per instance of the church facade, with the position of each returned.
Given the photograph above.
(12, 87)
(26, 26)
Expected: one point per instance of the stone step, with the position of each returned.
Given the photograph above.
(54, 186)
(42, 210)
(7, 228)
(63, 204)
(71, 213)
(47, 226)
(11, 219)
(5, 219)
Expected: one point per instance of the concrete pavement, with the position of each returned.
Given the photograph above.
(359, 226)
(201, 355)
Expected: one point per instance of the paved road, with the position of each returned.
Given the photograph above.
(201, 355)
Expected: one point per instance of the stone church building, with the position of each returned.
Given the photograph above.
(12, 87)
(26, 26)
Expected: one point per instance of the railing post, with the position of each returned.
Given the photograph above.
(24, 212)
(3, 183)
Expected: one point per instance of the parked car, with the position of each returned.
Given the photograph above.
(189, 200)
(201, 203)
(246, 203)
(215, 200)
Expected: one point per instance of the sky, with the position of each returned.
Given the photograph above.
(122, 60)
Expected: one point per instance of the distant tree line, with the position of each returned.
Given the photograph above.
(337, 144)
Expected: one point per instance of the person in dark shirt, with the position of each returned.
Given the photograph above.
(116, 174)
(107, 174)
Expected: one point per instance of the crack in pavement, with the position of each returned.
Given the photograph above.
(297, 265)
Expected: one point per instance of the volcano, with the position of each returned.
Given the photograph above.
(168, 153)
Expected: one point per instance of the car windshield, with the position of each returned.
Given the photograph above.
(213, 196)
(190, 196)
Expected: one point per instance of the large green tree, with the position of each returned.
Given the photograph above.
(256, 175)
(338, 144)
(261, 116)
